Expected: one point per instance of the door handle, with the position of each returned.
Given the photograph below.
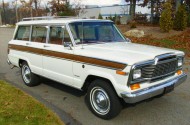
(46, 46)
(28, 44)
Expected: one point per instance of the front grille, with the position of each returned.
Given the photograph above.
(161, 69)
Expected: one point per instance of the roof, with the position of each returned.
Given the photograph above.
(59, 21)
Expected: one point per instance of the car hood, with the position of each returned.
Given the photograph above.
(123, 52)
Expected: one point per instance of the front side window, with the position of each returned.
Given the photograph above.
(56, 35)
(23, 33)
(59, 36)
(39, 34)
(94, 32)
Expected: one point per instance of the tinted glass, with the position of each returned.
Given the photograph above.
(39, 34)
(56, 35)
(94, 32)
(59, 36)
(23, 33)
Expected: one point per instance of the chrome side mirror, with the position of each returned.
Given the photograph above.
(68, 45)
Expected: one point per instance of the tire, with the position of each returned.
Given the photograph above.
(28, 77)
(102, 100)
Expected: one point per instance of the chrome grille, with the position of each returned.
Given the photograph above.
(162, 68)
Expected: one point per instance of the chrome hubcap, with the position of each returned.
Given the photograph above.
(100, 100)
(26, 73)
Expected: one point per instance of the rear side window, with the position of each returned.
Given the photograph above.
(23, 33)
(39, 34)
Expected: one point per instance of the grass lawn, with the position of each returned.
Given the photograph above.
(165, 42)
(18, 108)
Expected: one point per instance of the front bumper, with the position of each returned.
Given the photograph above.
(153, 90)
(8, 61)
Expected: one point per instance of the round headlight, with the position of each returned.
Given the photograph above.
(180, 62)
(137, 73)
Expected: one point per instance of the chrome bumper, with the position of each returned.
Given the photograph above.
(8, 61)
(153, 90)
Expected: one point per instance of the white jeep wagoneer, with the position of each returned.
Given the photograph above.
(93, 56)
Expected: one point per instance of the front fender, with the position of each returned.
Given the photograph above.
(118, 81)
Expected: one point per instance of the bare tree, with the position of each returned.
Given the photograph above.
(124, 9)
(78, 7)
(16, 9)
(132, 7)
(61, 8)
(36, 6)
(4, 12)
(5, 6)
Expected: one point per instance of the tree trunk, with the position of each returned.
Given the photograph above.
(132, 8)
(4, 13)
(1, 21)
(177, 3)
(36, 7)
(152, 11)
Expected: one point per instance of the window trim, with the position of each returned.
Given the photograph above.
(70, 34)
(30, 37)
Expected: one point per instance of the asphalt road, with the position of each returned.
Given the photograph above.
(69, 104)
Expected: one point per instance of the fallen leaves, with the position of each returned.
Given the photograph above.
(179, 42)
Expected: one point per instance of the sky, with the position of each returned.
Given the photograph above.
(88, 2)
(102, 2)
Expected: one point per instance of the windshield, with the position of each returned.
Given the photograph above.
(95, 32)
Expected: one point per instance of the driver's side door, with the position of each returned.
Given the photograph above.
(57, 64)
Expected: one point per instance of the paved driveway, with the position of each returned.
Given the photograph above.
(69, 104)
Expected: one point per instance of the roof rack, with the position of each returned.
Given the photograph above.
(48, 18)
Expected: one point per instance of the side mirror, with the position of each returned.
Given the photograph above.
(68, 45)
(128, 39)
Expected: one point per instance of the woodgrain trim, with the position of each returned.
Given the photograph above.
(26, 49)
(88, 60)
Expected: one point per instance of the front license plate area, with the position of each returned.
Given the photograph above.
(168, 89)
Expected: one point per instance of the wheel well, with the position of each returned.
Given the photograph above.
(20, 62)
(91, 78)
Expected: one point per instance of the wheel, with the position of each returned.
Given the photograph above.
(102, 100)
(28, 77)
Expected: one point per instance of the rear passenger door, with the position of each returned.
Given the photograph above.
(57, 61)
(38, 39)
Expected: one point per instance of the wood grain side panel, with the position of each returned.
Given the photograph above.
(58, 54)
(88, 60)
(26, 49)
(100, 62)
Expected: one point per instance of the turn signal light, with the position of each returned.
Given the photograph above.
(121, 72)
(135, 86)
(179, 72)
